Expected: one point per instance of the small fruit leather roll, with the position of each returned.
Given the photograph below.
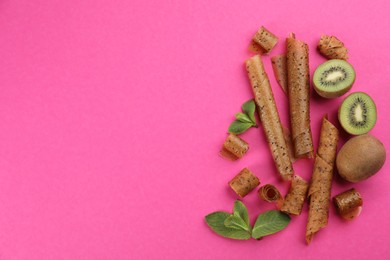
(298, 84)
(244, 182)
(270, 193)
(265, 39)
(348, 204)
(234, 147)
(269, 116)
(321, 180)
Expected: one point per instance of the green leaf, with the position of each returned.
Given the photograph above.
(216, 222)
(269, 223)
(234, 221)
(243, 118)
(249, 108)
(241, 211)
(238, 127)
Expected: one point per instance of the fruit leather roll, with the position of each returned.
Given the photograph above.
(298, 84)
(234, 147)
(265, 39)
(348, 204)
(321, 180)
(269, 116)
(244, 182)
(270, 193)
(327, 146)
(296, 196)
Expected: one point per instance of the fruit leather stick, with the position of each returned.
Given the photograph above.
(269, 116)
(298, 82)
(321, 180)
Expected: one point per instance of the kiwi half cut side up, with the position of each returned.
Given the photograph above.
(333, 78)
(357, 113)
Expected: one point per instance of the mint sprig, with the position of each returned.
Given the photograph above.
(270, 222)
(249, 108)
(237, 226)
(234, 225)
(239, 127)
(241, 211)
(245, 120)
(234, 221)
(216, 222)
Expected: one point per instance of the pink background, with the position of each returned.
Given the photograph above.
(112, 114)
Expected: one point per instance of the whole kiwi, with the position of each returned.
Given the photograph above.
(360, 158)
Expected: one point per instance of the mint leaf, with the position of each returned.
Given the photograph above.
(243, 118)
(241, 211)
(234, 221)
(216, 222)
(269, 223)
(249, 108)
(238, 127)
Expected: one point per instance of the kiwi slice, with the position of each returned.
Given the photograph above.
(333, 78)
(357, 113)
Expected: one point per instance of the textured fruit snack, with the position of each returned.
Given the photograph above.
(298, 82)
(234, 147)
(244, 182)
(263, 41)
(296, 196)
(321, 180)
(332, 48)
(348, 204)
(269, 116)
(270, 193)
(280, 70)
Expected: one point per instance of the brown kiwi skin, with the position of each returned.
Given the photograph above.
(360, 158)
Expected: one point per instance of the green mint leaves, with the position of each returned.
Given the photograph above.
(237, 226)
(238, 127)
(241, 211)
(245, 120)
(234, 225)
(269, 223)
(234, 221)
(216, 222)
(249, 109)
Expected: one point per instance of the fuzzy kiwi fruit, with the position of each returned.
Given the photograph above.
(357, 113)
(360, 158)
(333, 78)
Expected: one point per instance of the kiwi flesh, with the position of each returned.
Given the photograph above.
(357, 113)
(333, 78)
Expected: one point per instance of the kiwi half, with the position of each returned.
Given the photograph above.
(357, 113)
(333, 78)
